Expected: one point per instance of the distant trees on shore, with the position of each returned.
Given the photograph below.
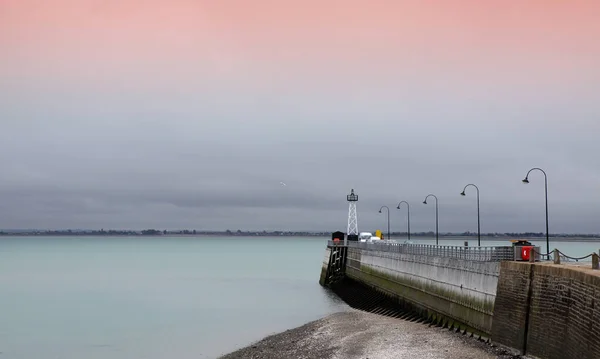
(264, 233)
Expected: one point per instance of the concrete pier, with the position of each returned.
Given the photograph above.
(443, 288)
(528, 307)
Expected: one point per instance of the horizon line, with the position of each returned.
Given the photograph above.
(228, 231)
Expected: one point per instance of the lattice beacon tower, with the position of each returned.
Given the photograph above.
(352, 216)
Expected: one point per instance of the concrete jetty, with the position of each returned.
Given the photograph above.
(535, 308)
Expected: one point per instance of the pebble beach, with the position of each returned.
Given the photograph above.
(355, 334)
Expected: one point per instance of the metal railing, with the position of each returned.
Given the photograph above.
(481, 254)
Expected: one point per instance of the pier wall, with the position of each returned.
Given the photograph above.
(541, 309)
(456, 291)
(548, 311)
(325, 265)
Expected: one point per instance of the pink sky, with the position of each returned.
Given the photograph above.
(548, 42)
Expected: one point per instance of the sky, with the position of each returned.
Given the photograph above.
(188, 114)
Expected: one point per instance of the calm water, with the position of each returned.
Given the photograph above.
(136, 298)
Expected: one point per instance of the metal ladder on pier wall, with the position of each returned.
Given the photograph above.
(336, 269)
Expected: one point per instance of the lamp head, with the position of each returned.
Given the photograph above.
(526, 180)
(398, 207)
(379, 211)
(425, 202)
(463, 193)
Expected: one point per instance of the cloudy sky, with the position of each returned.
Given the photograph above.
(189, 113)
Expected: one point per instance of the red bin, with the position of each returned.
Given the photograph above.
(526, 252)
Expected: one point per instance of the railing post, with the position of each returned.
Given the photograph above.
(532, 256)
(595, 264)
(556, 256)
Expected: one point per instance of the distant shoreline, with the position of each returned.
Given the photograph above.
(415, 236)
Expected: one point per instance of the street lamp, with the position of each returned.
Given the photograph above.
(408, 209)
(478, 216)
(388, 222)
(436, 216)
(526, 180)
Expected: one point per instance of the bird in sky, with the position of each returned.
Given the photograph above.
(283, 184)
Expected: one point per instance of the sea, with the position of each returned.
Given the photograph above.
(166, 297)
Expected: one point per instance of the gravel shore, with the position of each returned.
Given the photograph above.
(356, 334)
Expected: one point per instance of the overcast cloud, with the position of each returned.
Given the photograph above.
(115, 116)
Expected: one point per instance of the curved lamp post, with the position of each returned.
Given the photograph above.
(478, 216)
(388, 217)
(526, 180)
(408, 209)
(436, 216)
